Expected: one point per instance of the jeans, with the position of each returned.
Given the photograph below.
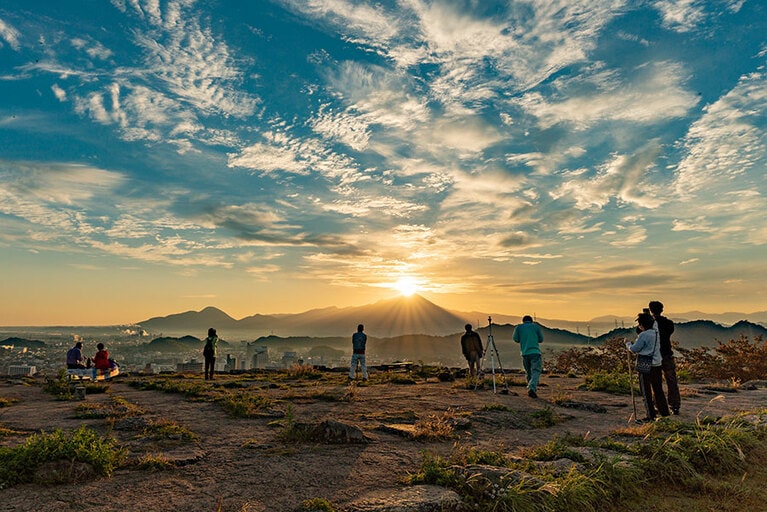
(210, 364)
(651, 386)
(533, 367)
(358, 358)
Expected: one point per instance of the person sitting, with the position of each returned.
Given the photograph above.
(101, 360)
(75, 357)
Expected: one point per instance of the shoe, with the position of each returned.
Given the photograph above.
(532, 394)
(675, 411)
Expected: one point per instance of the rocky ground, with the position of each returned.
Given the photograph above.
(242, 464)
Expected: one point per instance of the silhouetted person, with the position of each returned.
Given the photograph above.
(359, 341)
(651, 384)
(529, 336)
(75, 357)
(101, 359)
(665, 329)
(209, 353)
(471, 346)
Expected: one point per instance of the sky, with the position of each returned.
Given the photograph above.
(567, 158)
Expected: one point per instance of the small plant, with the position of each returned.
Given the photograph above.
(495, 407)
(58, 386)
(7, 402)
(317, 505)
(168, 430)
(245, 404)
(154, 462)
(118, 407)
(303, 371)
(435, 427)
(291, 432)
(545, 417)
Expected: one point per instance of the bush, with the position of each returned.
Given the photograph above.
(738, 359)
(609, 356)
(19, 464)
(609, 382)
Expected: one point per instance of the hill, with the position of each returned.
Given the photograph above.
(21, 342)
(698, 333)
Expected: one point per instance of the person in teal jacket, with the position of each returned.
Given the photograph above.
(529, 336)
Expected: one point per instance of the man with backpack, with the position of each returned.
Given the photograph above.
(209, 353)
(471, 346)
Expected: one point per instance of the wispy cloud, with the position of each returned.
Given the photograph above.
(10, 35)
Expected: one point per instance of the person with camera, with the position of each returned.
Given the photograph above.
(647, 345)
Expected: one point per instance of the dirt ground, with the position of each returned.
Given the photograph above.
(240, 464)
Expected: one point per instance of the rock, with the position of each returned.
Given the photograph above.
(64, 471)
(499, 476)
(400, 429)
(335, 432)
(419, 498)
(583, 406)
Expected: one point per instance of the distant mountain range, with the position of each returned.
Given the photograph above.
(400, 321)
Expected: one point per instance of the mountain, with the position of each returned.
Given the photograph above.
(405, 315)
(190, 322)
(699, 333)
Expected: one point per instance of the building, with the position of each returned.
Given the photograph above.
(21, 370)
(191, 366)
(255, 356)
(289, 359)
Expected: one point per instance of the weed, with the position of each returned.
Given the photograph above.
(555, 449)
(58, 386)
(118, 407)
(559, 396)
(317, 505)
(292, 431)
(245, 404)
(154, 462)
(545, 417)
(495, 407)
(19, 464)
(435, 427)
(7, 402)
(168, 430)
(303, 371)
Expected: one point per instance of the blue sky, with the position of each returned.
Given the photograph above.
(570, 158)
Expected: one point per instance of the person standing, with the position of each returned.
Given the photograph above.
(75, 357)
(650, 384)
(665, 328)
(209, 353)
(471, 346)
(359, 340)
(529, 336)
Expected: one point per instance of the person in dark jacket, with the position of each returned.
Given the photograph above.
(359, 340)
(75, 357)
(471, 346)
(665, 328)
(209, 353)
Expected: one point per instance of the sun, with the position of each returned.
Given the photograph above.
(406, 286)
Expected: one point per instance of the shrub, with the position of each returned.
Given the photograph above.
(434, 427)
(168, 430)
(609, 356)
(19, 464)
(58, 386)
(609, 382)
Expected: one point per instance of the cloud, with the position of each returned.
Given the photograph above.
(60, 93)
(10, 35)
(634, 99)
(624, 179)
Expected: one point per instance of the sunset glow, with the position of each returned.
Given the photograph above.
(568, 157)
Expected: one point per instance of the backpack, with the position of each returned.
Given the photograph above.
(207, 351)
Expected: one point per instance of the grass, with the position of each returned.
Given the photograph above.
(435, 427)
(164, 429)
(317, 505)
(245, 404)
(117, 407)
(716, 461)
(20, 464)
(154, 462)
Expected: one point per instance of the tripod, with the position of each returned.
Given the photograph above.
(493, 349)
